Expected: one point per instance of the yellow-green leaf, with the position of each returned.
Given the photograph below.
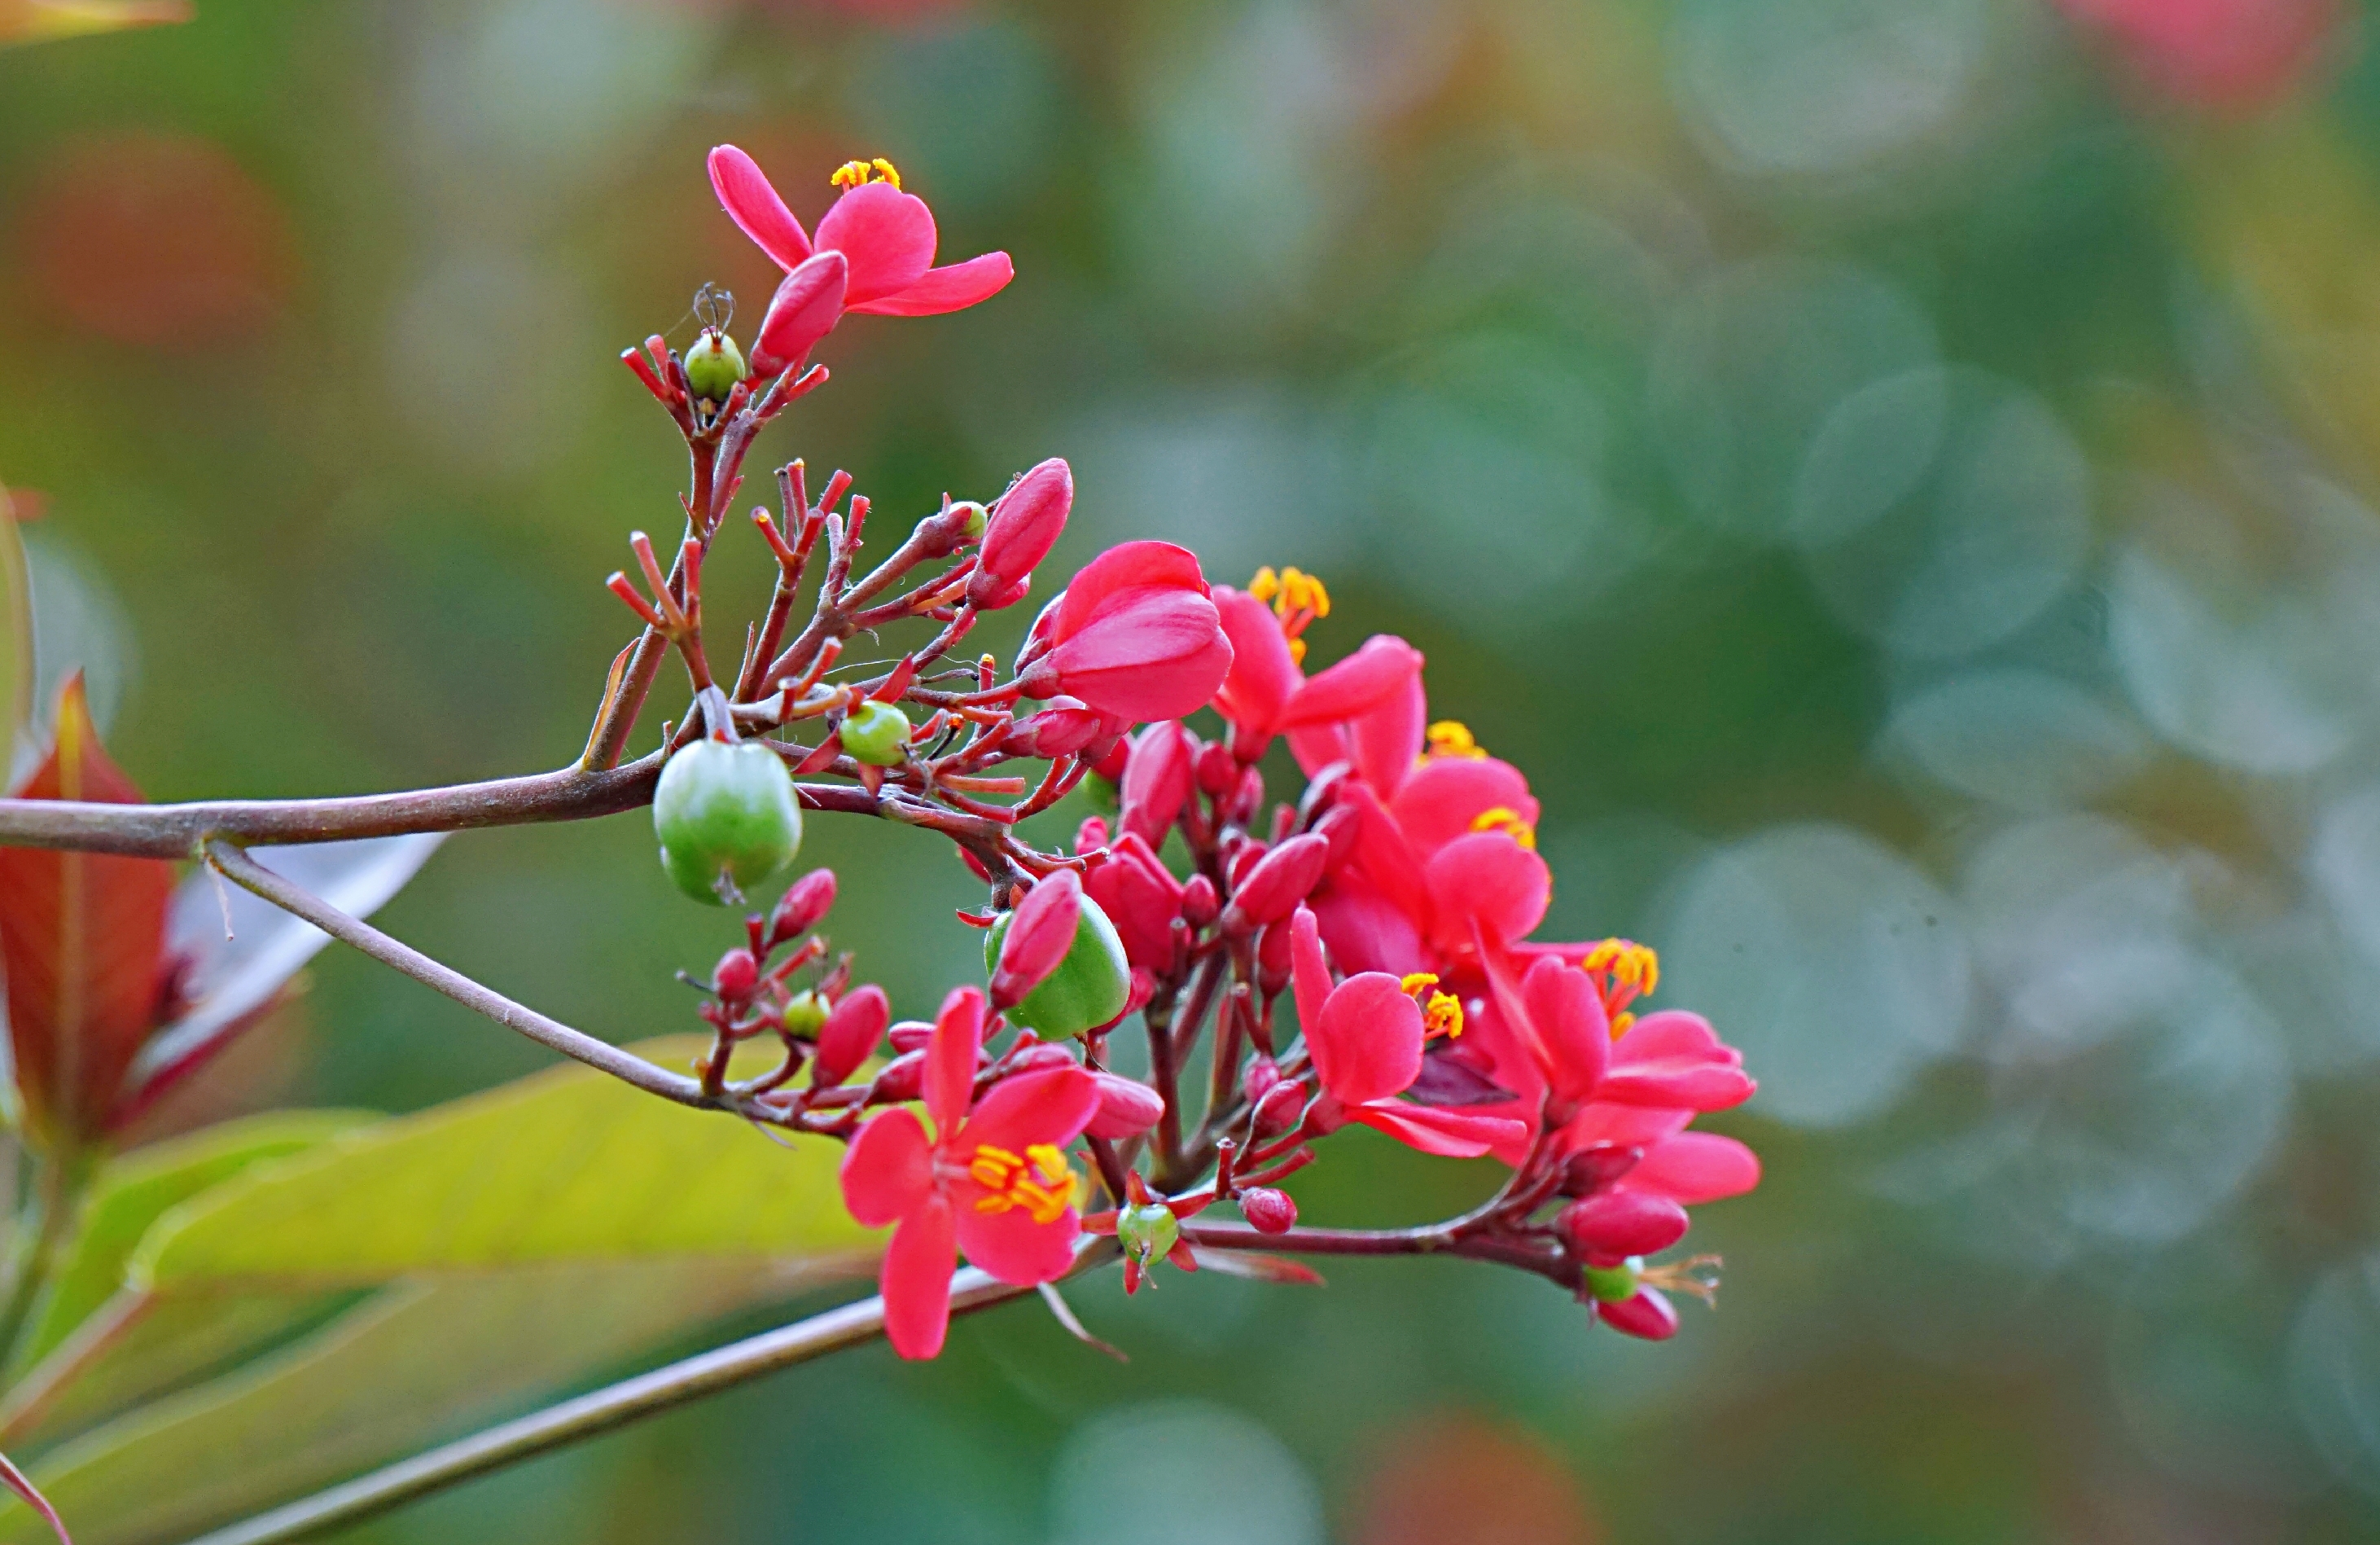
(35, 21)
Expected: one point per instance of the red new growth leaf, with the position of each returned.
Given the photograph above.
(83, 939)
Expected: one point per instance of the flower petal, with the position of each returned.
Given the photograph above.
(1366, 1041)
(1128, 565)
(753, 204)
(1014, 1248)
(950, 288)
(1388, 739)
(1263, 676)
(889, 1170)
(888, 235)
(1440, 799)
(1488, 879)
(807, 304)
(1052, 1106)
(1364, 680)
(1568, 1015)
(1309, 974)
(1695, 1167)
(1158, 655)
(916, 1279)
(950, 1058)
(1366, 930)
(1452, 1134)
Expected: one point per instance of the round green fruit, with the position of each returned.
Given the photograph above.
(1089, 987)
(1148, 1232)
(714, 365)
(728, 818)
(877, 734)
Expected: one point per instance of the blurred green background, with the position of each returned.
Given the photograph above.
(1900, 475)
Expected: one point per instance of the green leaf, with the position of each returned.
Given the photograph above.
(135, 1191)
(568, 1165)
(418, 1361)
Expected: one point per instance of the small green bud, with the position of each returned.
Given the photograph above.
(728, 818)
(1089, 987)
(877, 734)
(1146, 1232)
(714, 365)
(1614, 1284)
(806, 1016)
(974, 518)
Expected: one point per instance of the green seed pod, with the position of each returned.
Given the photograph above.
(714, 365)
(806, 1014)
(1148, 1232)
(1089, 987)
(727, 817)
(1614, 1284)
(877, 734)
(973, 515)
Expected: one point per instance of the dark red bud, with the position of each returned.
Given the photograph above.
(1218, 773)
(910, 1035)
(1591, 1169)
(1267, 1210)
(851, 1034)
(1062, 728)
(1273, 959)
(1614, 1224)
(799, 909)
(1275, 884)
(900, 1079)
(1127, 1107)
(1280, 1108)
(1024, 524)
(736, 976)
(1198, 904)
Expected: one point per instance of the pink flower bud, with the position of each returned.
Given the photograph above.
(901, 1079)
(1141, 897)
(1091, 834)
(1648, 1315)
(1127, 1107)
(1039, 938)
(1218, 774)
(1613, 1224)
(736, 976)
(1004, 596)
(850, 1034)
(1109, 763)
(910, 1035)
(1025, 523)
(799, 909)
(1135, 635)
(1262, 1074)
(1240, 855)
(1267, 1210)
(1273, 958)
(1591, 1169)
(1280, 1108)
(1198, 902)
(1244, 806)
(1157, 781)
(1061, 729)
(1040, 1057)
(1275, 884)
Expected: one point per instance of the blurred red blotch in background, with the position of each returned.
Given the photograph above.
(1458, 1478)
(155, 241)
(2235, 56)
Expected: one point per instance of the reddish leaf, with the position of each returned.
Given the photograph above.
(14, 1479)
(1258, 1268)
(82, 936)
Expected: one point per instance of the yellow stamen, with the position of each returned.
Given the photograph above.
(1441, 1016)
(859, 174)
(1451, 737)
(1629, 963)
(1042, 1181)
(1504, 818)
(1296, 598)
(1620, 1023)
(1414, 980)
(1297, 651)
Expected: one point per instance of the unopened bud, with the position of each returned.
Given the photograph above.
(1280, 1108)
(1615, 1224)
(1127, 1107)
(714, 365)
(1267, 1210)
(1040, 1057)
(1648, 1315)
(1091, 834)
(1274, 885)
(1024, 524)
(850, 1035)
(806, 1014)
(1244, 806)
(736, 976)
(1340, 825)
(900, 1079)
(1273, 959)
(1156, 780)
(806, 901)
(1198, 902)
(1262, 1074)
(1218, 774)
(1592, 1168)
(911, 1035)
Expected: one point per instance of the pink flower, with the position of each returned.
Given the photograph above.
(994, 1181)
(1268, 691)
(1026, 522)
(1135, 637)
(882, 239)
(1365, 1035)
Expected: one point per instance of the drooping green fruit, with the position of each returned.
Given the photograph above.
(728, 818)
(1148, 1232)
(1614, 1284)
(1089, 987)
(806, 1014)
(877, 734)
(714, 365)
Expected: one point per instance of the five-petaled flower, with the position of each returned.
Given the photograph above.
(874, 253)
(992, 1180)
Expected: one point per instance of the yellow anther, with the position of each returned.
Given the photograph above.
(859, 174)
(1414, 980)
(1628, 964)
(1042, 1181)
(1441, 1016)
(1451, 737)
(1297, 651)
(1504, 818)
(1296, 598)
(1619, 1023)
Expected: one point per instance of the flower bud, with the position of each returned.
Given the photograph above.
(1594, 1167)
(1040, 1057)
(1039, 935)
(1024, 524)
(1198, 902)
(1340, 826)
(1242, 853)
(1004, 596)
(1242, 810)
(1108, 766)
(910, 1035)
(1088, 985)
(1157, 781)
(1273, 959)
(1275, 884)
(1148, 1232)
(850, 1034)
(736, 976)
(1616, 1223)
(971, 519)
(805, 902)
(901, 1079)
(1280, 1108)
(1218, 772)
(1648, 1316)
(714, 365)
(947, 529)
(1267, 1210)
(727, 817)
(1127, 1107)
(877, 734)
(1063, 727)
(1257, 1081)
(805, 1013)
(1141, 897)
